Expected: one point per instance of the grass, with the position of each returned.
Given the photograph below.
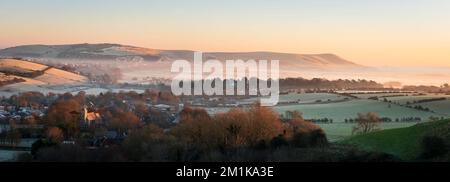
(441, 107)
(342, 131)
(346, 110)
(411, 99)
(404, 143)
(306, 97)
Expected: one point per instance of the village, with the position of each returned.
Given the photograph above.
(24, 118)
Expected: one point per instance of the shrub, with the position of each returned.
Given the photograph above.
(316, 138)
(41, 143)
(278, 142)
(432, 147)
(24, 157)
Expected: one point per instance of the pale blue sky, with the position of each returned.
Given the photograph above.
(372, 32)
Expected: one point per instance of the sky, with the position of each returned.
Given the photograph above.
(369, 32)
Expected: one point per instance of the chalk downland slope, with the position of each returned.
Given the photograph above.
(37, 77)
(115, 51)
(15, 65)
(59, 77)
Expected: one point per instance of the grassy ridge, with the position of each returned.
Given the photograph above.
(404, 143)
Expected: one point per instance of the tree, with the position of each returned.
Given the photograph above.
(66, 115)
(432, 147)
(294, 115)
(39, 144)
(232, 128)
(55, 134)
(366, 123)
(298, 125)
(301, 133)
(262, 125)
(141, 109)
(196, 127)
(142, 142)
(30, 99)
(121, 121)
(236, 128)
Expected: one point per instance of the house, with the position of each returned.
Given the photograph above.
(91, 118)
(164, 107)
(214, 99)
(3, 112)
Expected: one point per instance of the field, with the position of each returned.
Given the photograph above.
(412, 98)
(401, 142)
(369, 95)
(349, 110)
(339, 109)
(38, 77)
(312, 105)
(306, 98)
(55, 76)
(341, 131)
(20, 66)
(442, 107)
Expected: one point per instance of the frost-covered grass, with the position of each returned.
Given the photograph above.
(306, 98)
(20, 66)
(412, 99)
(366, 96)
(339, 111)
(349, 109)
(441, 107)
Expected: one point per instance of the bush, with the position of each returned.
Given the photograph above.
(432, 147)
(41, 143)
(253, 127)
(316, 138)
(363, 156)
(24, 157)
(62, 153)
(278, 142)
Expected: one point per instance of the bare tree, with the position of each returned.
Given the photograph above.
(366, 123)
(294, 115)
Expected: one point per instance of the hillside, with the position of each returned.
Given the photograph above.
(14, 65)
(403, 142)
(114, 51)
(31, 76)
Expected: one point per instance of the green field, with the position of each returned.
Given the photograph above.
(369, 95)
(341, 131)
(402, 142)
(340, 111)
(306, 97)
(411, 99)
(349, 109)
(441, 107)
